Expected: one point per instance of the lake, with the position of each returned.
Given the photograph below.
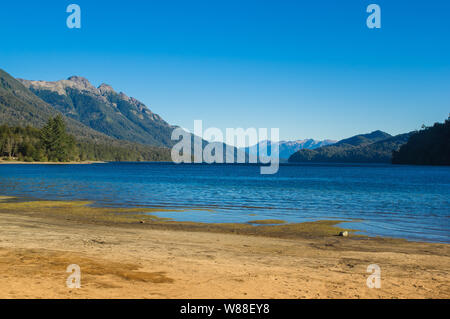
(411, 202)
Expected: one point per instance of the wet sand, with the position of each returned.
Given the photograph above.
(158, 259)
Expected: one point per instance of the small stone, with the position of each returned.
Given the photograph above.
(343, 234)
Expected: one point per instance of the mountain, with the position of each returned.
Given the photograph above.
(104, 110)
(363, 139)
(21, 107)
(287, 148)
(375, 147)
(430, 146)
(109, 124)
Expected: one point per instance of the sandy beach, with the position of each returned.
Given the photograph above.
(158, 260)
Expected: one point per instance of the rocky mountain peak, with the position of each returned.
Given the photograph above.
(123, 96)
(105, 88)
(81, 82)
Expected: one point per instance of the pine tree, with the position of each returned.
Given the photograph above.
(58, 144)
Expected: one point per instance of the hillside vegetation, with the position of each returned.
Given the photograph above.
(376, 147)
(430, 146)
(53, 143)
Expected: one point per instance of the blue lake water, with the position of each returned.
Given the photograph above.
(410, 202)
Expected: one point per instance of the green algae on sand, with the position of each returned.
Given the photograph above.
(267, 222)
(86, 212)
(80, 210)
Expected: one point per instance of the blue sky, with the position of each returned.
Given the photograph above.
(311, 68)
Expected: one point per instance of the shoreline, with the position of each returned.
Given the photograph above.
(124, 254)
(151, 217)
(51, 163)
(87, 212)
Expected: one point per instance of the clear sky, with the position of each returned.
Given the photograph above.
(311, 68)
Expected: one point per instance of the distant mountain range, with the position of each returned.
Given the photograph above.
(375, 147)
(287, 148)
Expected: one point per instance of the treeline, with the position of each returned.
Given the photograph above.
(430, 146)
(130, 152)
(52, 143)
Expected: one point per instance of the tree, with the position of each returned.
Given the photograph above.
(52, 143)
(59, 145)
(430, 146)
